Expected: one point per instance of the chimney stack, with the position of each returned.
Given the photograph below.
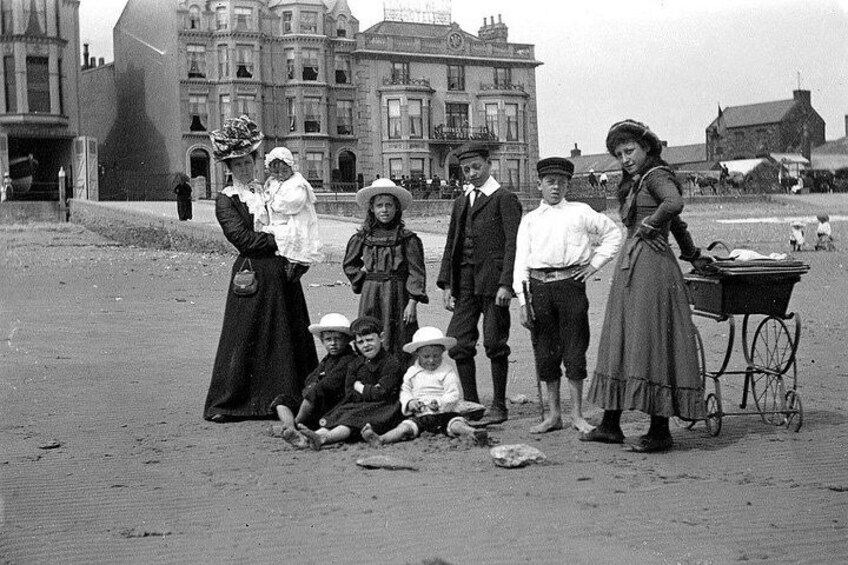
(802, 96)
(101, 61)
(85, 55)
(576, 151)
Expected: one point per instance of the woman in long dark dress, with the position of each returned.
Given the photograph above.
(647, 357)
(265, 350)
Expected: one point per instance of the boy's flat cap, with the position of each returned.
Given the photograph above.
(473, 149)
(555, 166)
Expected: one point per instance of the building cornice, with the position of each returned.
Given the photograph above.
(444, 58)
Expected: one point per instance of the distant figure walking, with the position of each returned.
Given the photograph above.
(183, 192)
(593, 180)
(603, 180)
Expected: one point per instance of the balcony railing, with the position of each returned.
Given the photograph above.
(463, 133)
(502, 86)
(405, 81)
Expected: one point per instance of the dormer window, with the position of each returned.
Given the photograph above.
(244, 19)
(309, 22)
(221, 18)
(287, 22)
(341, 27)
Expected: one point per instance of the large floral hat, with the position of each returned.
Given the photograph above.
(239, 136)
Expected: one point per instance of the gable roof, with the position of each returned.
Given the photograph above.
(674, 155)
(834, 147)
(680, 154)
(755, 114)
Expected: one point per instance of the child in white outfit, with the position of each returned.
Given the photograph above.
(290, 202)
(429, 395)
(797, 238)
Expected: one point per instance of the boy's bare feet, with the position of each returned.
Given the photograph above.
(295, 438)
(549, 424)
(581, 425)
(372, 437)
(315, 440)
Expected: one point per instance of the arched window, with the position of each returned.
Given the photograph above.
(341, 27)
(193, 17)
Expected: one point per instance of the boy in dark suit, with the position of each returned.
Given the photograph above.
(476, 274)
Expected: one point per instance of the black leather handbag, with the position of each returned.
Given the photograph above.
(244, 281)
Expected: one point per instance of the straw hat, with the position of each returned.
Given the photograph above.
(239, 137)
(331, 323)
(428, 335)
(383, 186)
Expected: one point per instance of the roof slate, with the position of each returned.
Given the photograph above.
(755, 114)
(409, 29)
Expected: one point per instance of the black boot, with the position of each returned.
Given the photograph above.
(467, 371)
(498, 412)
(609, 431)
(657, 439)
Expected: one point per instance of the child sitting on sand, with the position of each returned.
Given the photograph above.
(325, 386)
(372, 386)
(429, 395)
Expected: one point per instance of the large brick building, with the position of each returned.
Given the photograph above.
(39, 109)
(392, 100)
(753, 130)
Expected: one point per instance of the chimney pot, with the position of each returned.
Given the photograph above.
(499, 19)
(101, 61)
(92, 62)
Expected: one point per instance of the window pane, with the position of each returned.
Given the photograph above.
(311, 115)
(457, 115)
(244, 61)
(223, 61)
(416, 168)
(395, 168)
(194, 17)
(291, 111)
(35, 16)
(196, 61)
(225, 109)
(342, 69)
(512, 122)
(7, 17)
(414, 110)
(244, 17)
(394, 119)
(38, 84)
(246, 104)
(221, 18)
(11, 88)
(310, 64)
(492, 120)
(400, 72)
(197, 111)
(309, 22)
(456, 77)
(512, 166)
(314, 166)
(287, 22)
(290, 72)
(344, 117)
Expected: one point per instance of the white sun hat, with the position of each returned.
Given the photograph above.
(383, 186)
(428, 335)
(279, 154)
(331, 323)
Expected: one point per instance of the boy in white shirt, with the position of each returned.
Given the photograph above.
(555, 256)
(429, 395)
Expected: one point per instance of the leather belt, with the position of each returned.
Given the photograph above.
(551, 275)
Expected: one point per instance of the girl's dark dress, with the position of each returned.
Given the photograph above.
(647, 358)
(265, 350)
(379, 403)
(387, 267)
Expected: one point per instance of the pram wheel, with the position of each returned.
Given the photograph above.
(794, 416)
(714, 414)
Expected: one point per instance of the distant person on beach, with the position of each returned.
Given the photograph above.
(429, 395)
(183, 192)
(824, 234)
(603, 179)
(796, 240)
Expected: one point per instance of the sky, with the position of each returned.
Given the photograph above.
(668, 63)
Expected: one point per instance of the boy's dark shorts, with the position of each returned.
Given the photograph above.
(433, 423)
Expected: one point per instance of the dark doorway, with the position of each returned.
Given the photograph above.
(347, 166)
(199, 165)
